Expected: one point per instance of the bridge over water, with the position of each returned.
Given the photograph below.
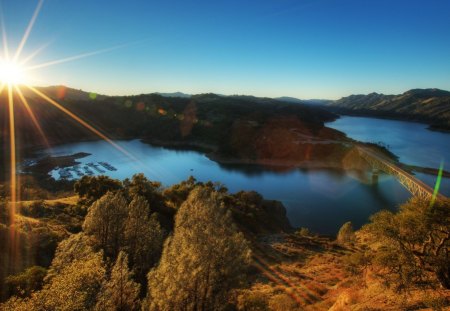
(413, 185)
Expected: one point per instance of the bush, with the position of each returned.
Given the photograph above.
(4, 212)
(252, 301)
(36, 209)
(414, 244)
(356, 262)
(23, 284)
(304, 232)
(346, 234)
(282, 302)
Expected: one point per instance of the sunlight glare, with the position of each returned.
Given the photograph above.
(11, 73)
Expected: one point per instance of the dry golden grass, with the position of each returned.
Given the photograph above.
(72, 200)
(303, 273)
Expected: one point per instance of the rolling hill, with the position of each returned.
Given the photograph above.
(431, 106)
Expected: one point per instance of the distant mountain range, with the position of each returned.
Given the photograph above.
(431, 106)
(61, 92)
(424, 105)
(304, 101)
(175, 94)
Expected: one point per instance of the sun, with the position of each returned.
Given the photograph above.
(11, 72)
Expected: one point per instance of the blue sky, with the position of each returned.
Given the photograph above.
(302, 48)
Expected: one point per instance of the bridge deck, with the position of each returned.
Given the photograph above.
(411, 183)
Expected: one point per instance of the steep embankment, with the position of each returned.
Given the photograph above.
(431, 106)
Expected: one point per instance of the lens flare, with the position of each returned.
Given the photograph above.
(11, 72)
(438, 183)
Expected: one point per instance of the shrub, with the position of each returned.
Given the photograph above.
(346, 234)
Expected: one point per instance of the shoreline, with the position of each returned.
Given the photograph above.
(429, 125)
(209, 151)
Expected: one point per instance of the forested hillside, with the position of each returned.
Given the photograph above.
(133, 245)
(207, 122)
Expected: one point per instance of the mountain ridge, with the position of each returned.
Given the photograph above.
(431, 106)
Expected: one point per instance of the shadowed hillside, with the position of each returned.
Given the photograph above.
(203, 122)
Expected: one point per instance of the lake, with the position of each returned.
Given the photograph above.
(321, 200)
(412, 142)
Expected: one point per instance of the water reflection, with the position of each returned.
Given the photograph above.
(321, 199)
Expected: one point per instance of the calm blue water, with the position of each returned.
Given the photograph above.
(321, 200)
(410, 141)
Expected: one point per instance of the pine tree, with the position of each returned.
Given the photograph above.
(143, 236)
(120, 292)
(73, 248)
(203, 260)
(74, 287)
(105, 222)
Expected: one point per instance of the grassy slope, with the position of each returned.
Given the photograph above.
(425, 105)
(293, 272)
(310, 273)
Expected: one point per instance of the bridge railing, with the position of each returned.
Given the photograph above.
(412, 184)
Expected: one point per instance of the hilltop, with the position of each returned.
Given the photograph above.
(431, 106)
(61, 92)
(238, 128)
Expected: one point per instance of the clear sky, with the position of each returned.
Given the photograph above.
(300, 48)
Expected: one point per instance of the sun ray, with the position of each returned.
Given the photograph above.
(82, 122)
(75, 57)
(24, 61)
(12, 146)
(32, 116)
(4, 36)
(28, 30)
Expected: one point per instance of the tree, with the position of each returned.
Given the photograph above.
(75, 247)
(139, 185)
(346, 234)
(93, 188)
(105, 222)
(178, 193)
(75, 288)
(120, 292)
(206, 257)
(23, 284)
(414, 244)
(150, 190)
(143, 237)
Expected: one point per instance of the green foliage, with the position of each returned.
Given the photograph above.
(36, 209)
(75, 288)
(256, 215)
(92, 188)
(23, 284)
(144, 237)
(119, 292)
(178, 193)
(414, 244)
(206, 257)
(105, 222)
(346, 234)
(139, 185)
(76, 247)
